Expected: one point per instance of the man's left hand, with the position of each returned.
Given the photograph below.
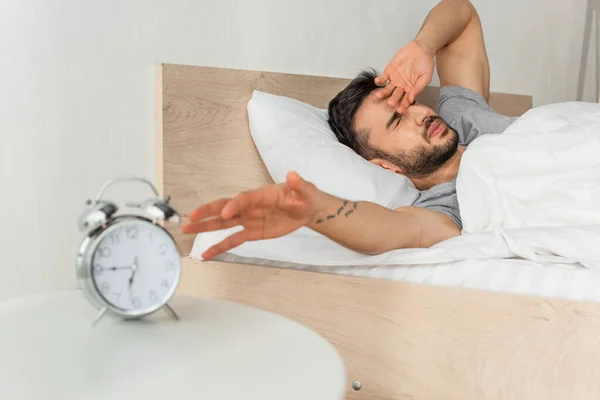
(408, 73)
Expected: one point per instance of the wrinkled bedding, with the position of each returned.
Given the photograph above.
(530, 194)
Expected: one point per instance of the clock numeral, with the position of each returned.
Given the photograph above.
(131, 232)
(114, 239)
(136, 302)
(117, 296)
(170, 265)
(163, 249)
(153, 295)
(104, 287)
(165, 283)
(98, 269)
(104, 251)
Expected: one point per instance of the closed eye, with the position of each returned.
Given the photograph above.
(395, 117)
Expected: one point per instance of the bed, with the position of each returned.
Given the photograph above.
(413, 333)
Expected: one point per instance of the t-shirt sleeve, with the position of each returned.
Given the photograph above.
(469, 114)
(455, 101)
(441, 198)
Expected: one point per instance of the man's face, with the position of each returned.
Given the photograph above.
(417, 142)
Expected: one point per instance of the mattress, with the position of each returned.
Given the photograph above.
(530, 206)
(515, 276)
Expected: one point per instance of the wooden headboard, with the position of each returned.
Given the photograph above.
(204, 147)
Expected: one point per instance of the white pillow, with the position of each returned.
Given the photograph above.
(294, 136)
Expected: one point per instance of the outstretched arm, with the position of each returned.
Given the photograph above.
(276, 210)
(369, 228)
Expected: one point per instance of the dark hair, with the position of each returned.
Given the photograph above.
(419, 162)
(342, 109)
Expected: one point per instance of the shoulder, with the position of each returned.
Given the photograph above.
(457, 100)
(438, 213)
(441, 198)
(469, 114)
(434, 226)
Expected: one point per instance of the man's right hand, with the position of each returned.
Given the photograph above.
(408, 73)
(273, 211)
(268, 212)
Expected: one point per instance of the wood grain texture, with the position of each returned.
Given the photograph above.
(400, 340)
(204, 147)
(159, 131)
(414, 341)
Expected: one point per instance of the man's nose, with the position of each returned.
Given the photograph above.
(417, 114)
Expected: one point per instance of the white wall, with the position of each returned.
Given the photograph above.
(77, 83)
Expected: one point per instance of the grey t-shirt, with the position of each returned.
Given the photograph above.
(468, 113)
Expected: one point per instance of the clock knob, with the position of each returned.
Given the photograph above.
(161, 210)
(97, 214)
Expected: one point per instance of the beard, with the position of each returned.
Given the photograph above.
(425, 160)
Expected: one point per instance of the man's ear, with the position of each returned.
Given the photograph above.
(386, 165)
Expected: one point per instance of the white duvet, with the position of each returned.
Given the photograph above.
(532, 193)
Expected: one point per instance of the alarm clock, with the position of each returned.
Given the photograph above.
(128, 264)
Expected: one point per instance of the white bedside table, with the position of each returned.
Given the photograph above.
(218, 350)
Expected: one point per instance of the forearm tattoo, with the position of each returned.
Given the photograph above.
(346, 209)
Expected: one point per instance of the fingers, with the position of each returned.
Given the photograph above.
(212, 216)
(382, 79)
(211, 209)
(208, 218)
(411, 96)
(385, 92)
(388, 87)
(209, 225)
(396, 96)
(303, 195)
(404, 104)
(295, 182)
(242, 202)
(235, 240)
(421, 84)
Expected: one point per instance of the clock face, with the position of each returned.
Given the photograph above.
(135, 266)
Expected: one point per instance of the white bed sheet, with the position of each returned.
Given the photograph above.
(530, 203)
(515, 276)
(517, 262)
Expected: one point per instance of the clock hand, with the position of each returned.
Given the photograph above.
(117, 268)
(133, 269)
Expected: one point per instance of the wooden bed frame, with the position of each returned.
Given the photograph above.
(399, 340)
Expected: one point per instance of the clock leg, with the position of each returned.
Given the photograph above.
(171, 312)
(99, 316)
